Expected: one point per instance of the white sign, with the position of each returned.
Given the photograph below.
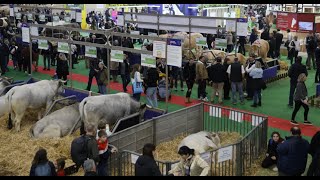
(231, 25)
(73, 14)
(201, 41)
(206, 156)
(100, 6)
(174, 55)
(30, 17)
(25, 34)
(159, 49)
(42, 17)
(236, 116)
(153, 35)
(148, 60)
(67, 19)
(56, 18)
(134, 158)
(242, 28)
(91, 51)
(255, 120)
(63, 47)
(117, 56)
(316, 19)
(120, 20)
(34, 31)
(43, 44)
(135, 33)
(225, 154)
(11, 12)
(79, 17)
(215, 112)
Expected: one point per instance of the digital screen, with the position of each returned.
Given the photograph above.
(308, 26)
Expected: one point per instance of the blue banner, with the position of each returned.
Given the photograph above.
(242, 20)
(174, 42)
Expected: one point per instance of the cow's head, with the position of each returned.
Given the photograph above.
(142, 110)
(215, 139)
(60, 86)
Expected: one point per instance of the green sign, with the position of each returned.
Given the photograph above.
(42, 44)
(148, 60)
(30, 17)
(56, 18)
(42, 17)
(84, 34)
(91, 52)
(63, 47)
(74, 6)
(117, 56)
(201, 41)
(67, 19)
(220, 43)
(18, 15)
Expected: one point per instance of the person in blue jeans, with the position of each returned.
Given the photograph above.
(136, 77)
(236, 74)
(256, 73)
(152, 80)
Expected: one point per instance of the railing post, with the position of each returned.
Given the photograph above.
(239, 159)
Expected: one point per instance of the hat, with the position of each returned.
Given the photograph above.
(162, 75)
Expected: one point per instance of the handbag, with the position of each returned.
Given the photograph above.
(137, 86)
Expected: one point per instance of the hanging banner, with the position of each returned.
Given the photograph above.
(201, 41)
(117, 56)
(75, 6)
(148, 60)
(42, 17)
(91, 52)
(78, 16)
(34, 31)
(30, 17)
(25, 34)
(220, 43)
(63, 47)
(287, 21)
(238, 12)
(174, 49)
(11, 12)
(18, 16)
(159, 49)
(84, 34)
(242, 27)
(43, 44)
(231, 25)
(120, 19)
(56, 18)
(317, 19)
(73, 14)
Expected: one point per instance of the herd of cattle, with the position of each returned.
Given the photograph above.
(91, 110)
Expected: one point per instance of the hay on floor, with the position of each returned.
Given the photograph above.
(18, 149)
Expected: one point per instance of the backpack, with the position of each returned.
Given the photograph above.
(43, 169)
(79, 150)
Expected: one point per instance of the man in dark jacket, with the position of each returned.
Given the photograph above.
(293, 154)
(317, 54)
(217, 76)
(272, 45)
(311, 47)
(189, 74)
(236, 74)
(242, 41)
(94, 68)
(226, 84)
(279, 37)
(124, 69)
(92, 146)
(295, 70)
(152, 84)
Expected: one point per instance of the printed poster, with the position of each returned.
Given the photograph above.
(174, 50)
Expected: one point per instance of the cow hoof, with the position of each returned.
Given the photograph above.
(10, 126)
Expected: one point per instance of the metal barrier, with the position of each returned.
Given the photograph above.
(252, 128)
(59, 100)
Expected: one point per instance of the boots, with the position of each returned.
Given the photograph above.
(188, 100)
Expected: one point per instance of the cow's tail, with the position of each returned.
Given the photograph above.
(8, 99)
(81, 108)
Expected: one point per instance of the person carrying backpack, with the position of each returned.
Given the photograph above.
(85, 147)
(41, 166)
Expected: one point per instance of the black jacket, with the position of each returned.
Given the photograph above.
(295, 70)
(91, 173)
(317, 56)
(152, 77)
(311, 44)
(189, 72)
(62, 67)
(314, 167)
(146, 166)
(279, 38)
(272, 147)
(217, 73)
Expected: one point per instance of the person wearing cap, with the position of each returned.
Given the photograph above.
(293, 154)
(217, 76)
(190, 164)
(102, 78)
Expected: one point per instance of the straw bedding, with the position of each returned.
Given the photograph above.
(18, 149)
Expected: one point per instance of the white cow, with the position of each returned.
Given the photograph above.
(57, 124)
(108, 108)
(31, 96)
(201, 142)
(3, 84)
